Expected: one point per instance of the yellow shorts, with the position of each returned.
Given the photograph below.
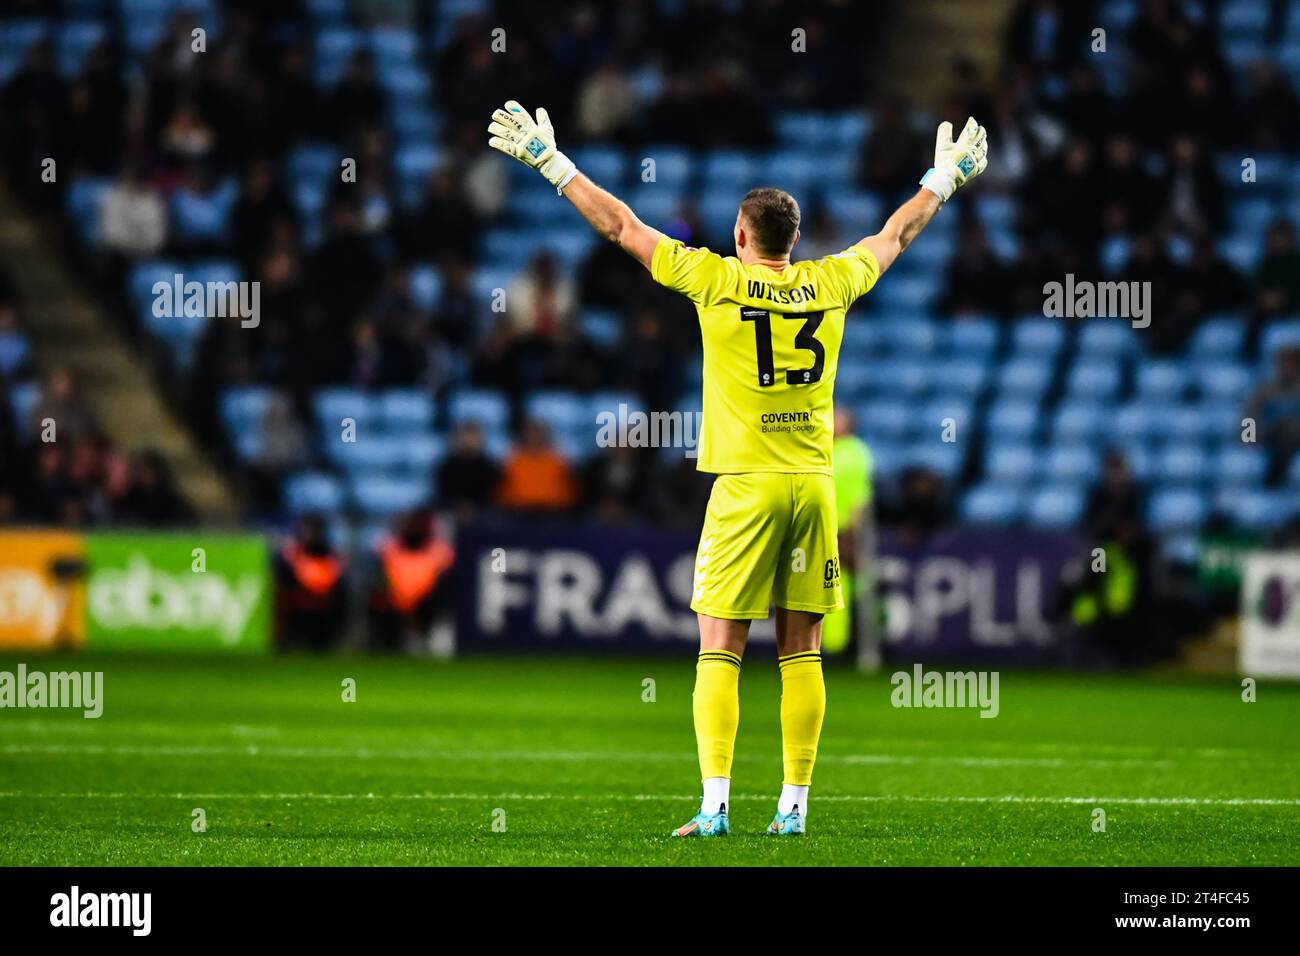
(768, 538)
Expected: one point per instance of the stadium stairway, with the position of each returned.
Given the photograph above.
(931, 34)
(113, 377)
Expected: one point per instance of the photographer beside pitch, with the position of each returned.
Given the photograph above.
(771, 331)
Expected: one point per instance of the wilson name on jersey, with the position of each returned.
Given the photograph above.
(771, 351)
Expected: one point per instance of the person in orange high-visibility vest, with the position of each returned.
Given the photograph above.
(311, 593)
(412, 584)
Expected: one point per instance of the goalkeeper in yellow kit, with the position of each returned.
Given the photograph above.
(771, 330)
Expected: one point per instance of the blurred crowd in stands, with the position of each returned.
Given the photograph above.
(1087, 167)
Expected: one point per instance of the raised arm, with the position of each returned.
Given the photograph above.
(954, 165)
(613, 219)
(532, 142)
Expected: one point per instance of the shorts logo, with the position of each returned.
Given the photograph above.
(701, 564)
(831, 576)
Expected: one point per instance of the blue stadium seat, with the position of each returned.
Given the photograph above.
(204, 217)
(958, 408)
(805, 128)
(968, 375)
(1244, 17)
(1142, 420)
(1013, 418)
(854, 206)
(394, 44)
(489, 409)
(1113, 253)
(15, 351)
(84, 197)
(242, 408)
(905, 293)
(862, 336)
(559, 410)
(733, 170)
(1184, 464)
(602, 326)
(901, 376)
(1251, 215)
(1006, 461)
(1260, 509)
(424, 283)
(1072, 463)
(993, 503)
(605, 164)
(884, 418)
(1107, 337)
(1081, 420)
(1025, 376)
(1057, 506)
(1243, 250)
(370, 453)
(673, 165)
(381, 495)
(658, 203)
(1278, 333)
(74, 40)
(976, 336)
(930, 251)
(943, 458)
(1223, 381)
(794, 169)
(23, 398)
(995, 212)
(333, 405)
(909, 334)
(1141, 457)
(1177, 509)
(1241, 51)
(406, 410)
(718, 209)
(1096, 378)
(413, 164)
(327, 11)
(608, 401)
(313, 491)
(1240, 465)
(853, 379)
(1037, 336)
(1218, 337)
(1161, 379)
(424, 452)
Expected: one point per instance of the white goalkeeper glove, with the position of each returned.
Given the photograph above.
(956, 164)
(516, 134)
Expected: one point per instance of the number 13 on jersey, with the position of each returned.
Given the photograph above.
(804, 338)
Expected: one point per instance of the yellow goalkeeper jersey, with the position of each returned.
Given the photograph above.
(771, 350)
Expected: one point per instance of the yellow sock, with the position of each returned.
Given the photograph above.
(717, 711)
(803, 705)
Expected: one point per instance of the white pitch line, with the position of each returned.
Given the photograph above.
(366, 753)
(831, 798)
(1122, 753)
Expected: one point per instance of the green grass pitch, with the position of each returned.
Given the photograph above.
(581, 770)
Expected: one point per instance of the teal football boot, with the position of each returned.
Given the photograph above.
(786, 824)
(705, 825)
